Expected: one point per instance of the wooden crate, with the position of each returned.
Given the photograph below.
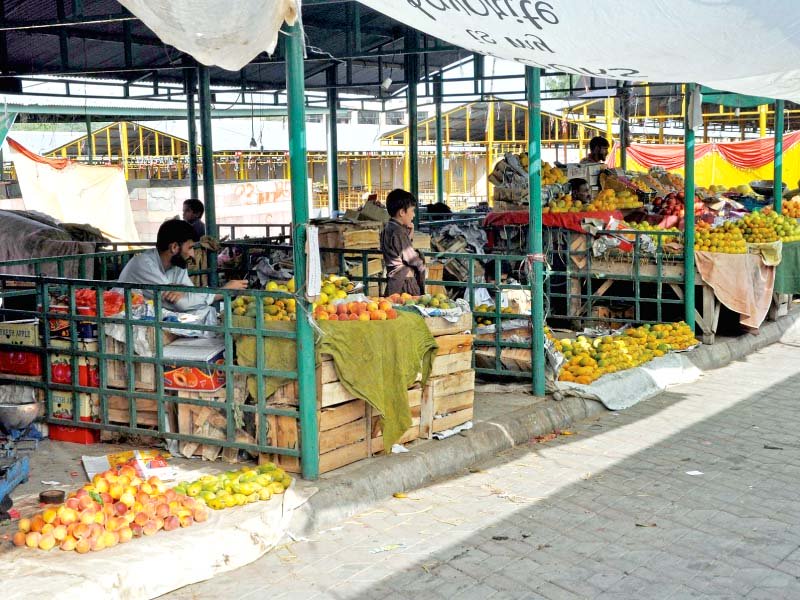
(453, 355)
(376, 431)
(447, 401)
(441, 326)
(144, 373)
(364, 235)
(146, 411)
(435, 273)
(343, 437)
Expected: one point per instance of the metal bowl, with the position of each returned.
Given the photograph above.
(18, 416)
(765, 187)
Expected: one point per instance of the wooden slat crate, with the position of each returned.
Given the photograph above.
(453, 355)
(376, 432)
(447, 401)
(146, 411)
(144, 373)
(343, 437)
(441, 326)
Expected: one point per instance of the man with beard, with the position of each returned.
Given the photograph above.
(166, 265)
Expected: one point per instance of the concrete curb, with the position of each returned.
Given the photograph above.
(364, 485)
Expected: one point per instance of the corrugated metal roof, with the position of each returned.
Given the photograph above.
(93, 47)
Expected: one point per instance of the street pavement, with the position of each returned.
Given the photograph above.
(692, 494)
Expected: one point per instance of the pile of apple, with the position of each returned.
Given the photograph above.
(114, 508)
(672, 205)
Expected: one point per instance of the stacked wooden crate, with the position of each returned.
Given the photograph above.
(343, 426)
(144, 374)
(449, 394)
(360, 235)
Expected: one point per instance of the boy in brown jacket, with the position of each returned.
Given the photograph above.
(405, 268)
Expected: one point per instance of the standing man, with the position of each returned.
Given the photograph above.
(598, 150)
(193, 211)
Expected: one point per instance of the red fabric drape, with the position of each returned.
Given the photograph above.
(564, 220)
(749, 154)
(56, 163)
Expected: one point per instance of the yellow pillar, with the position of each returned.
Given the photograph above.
(241, 167)
(609, 110)
(683, 104)
(123, 136)
(660, 131)
(158, 145)
(762, 120)
(581, 138)
(466, 121)
(369, 173)
(94, 146)
(489, 150)
(513, 122)
(108, 142)
(647, 101)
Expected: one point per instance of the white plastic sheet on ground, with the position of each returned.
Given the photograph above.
(152, 565)
(225, 34)
(745, 46)
(74, 193)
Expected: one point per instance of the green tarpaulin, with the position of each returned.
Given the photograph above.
(376, 361)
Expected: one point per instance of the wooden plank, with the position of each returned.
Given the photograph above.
(326, 372)
(334, 393)
(441, 326)
(149, 419)
(453, 344)
(376, 443)
(376, 426)
(343, 456)
(450, 384)
(443, 405)
(451, 363)
(415, 397)
(330, 418)
(342, 436)
(452, 420)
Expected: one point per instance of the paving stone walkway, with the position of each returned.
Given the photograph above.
(692, 494)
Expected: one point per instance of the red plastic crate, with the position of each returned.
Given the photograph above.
(76, 435)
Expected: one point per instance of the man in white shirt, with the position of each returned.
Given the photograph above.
(166, 265)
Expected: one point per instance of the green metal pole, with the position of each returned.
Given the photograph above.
(306, 368)
(437, 95)
(535, 247)
(208, 168)
(190, 81)
(333, 141)
(412, 77)
(88, 139)
(688, 220)
(777, 180)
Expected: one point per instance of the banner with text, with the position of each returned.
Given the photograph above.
(745, 46)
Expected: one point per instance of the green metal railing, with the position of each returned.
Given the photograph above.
(39, 293)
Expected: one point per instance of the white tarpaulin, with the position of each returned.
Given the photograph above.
(75, 193)
(746, 46)
(225, 34)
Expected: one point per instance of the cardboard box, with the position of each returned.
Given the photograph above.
(59, 328)
(21, 333)
(208, 379)
(61, 365)
(88, 405)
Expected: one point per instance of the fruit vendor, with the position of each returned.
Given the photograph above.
(166, 265)
(405, 269)
(598, 150)
(580, 190)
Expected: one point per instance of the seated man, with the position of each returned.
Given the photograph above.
(598, 151)
(166, 265)
(580, 191)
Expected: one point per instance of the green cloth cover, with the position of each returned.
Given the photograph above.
(378, 361)
(787, 274)
(375, 360)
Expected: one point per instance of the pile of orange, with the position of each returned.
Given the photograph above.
(727, 238)
(791, 208)
(374, 310)
(588, 359)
